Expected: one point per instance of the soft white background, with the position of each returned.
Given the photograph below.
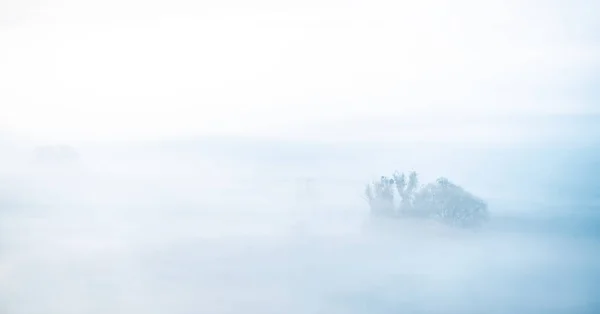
(143, 69)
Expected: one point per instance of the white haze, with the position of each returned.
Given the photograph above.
(227, 225)
(224, 147)
(83, 70)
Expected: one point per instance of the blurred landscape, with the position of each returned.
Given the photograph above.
(212, 157)
(275, 225)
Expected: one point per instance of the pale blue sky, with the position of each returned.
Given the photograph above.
(137, 69)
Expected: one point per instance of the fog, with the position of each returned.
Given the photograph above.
(241, 225)
(211, 156)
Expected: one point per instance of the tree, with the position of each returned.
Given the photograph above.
(380, 195)
(443, 201)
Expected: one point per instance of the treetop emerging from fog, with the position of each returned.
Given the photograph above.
(399, 196)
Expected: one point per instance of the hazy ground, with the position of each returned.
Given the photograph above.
(181, 230)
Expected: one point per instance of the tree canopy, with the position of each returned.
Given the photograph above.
(442, 200)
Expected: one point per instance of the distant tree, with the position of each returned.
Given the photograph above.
(406, 189)
(380, 195)
(443, 201)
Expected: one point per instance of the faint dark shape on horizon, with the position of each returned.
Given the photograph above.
(56, 155)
